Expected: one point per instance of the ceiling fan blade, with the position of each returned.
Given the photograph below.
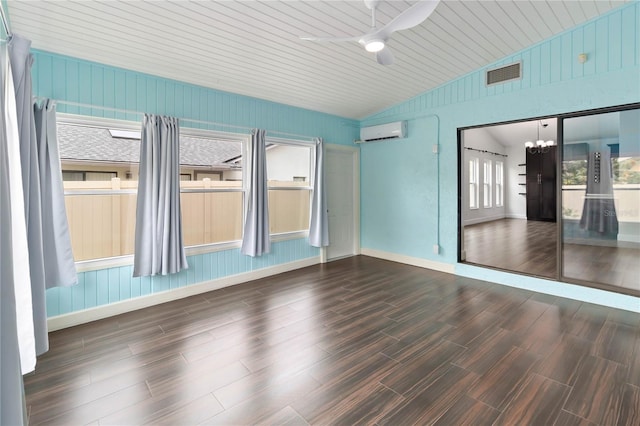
(330, 39)
(384, 57)
(411, 17)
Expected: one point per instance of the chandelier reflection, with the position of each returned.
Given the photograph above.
(540, 146)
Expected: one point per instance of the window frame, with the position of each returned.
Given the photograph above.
(129, 125)
(84, 174)
(499, 183)
(487, 184)
(241, 138)
(562, 144)
(474, 188)
(312, 160)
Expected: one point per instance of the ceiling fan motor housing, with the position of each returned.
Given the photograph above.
(371, 4)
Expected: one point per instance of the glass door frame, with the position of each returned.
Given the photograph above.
(461, 183)
(560, 276)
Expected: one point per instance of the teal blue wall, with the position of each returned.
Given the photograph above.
(400, 182)
(408, 194)
(110, 285)
(64, 78)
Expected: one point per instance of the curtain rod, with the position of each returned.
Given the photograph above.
(485, 151)
(5, 23)
(188, 120)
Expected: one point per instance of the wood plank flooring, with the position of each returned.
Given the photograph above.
(356, 341)
(519, 245)
(529, 246)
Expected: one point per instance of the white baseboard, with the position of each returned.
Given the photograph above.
(483, 219)
(408, 260)
(516, 216)
(105, 311)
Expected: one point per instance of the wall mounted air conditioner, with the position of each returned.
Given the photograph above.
(395, 130)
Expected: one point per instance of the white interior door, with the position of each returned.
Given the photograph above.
(341, 177)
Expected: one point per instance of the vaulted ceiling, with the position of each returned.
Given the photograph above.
(253, 47)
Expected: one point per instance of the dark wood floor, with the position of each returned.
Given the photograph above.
(617, 266)
(356, 341)
(529, 246)
(519, 245)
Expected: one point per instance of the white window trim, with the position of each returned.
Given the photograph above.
(312, 162)
(128, 125)
(98, 122)
(301, 143)
(475, 183)
(499, 186)
(487, 196)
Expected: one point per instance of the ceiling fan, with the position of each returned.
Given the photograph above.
(376, 39)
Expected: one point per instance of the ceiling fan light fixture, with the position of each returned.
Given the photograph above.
(376, 38)
(374, 45)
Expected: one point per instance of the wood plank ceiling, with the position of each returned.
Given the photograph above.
(253, 47)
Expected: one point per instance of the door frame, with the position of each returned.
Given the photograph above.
(355, 158)
(560, 277)
(461, 252)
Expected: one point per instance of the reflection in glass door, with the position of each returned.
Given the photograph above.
(601, 199)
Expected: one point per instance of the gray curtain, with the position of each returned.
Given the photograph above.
(599, 210)
(21, 61)
(319, 225)
(14, 289)
(159, 248)
(255, 239)
(12, 403)
(59, 266)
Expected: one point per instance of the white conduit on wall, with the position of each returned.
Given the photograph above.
(436, 152)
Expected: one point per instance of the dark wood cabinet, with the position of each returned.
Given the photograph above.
(541, 185)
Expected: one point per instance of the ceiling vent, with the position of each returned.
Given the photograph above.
(504, 74)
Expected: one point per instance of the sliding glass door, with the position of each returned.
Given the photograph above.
(601, 199)
(590, 232)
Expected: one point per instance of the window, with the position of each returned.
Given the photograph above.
(212, 204)
(100, 162)
(499, 183)
(289, 176)
(100, 183)
(100, 168)
(83, 175)
(486, 184)
(473, 183)
(209, 175)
